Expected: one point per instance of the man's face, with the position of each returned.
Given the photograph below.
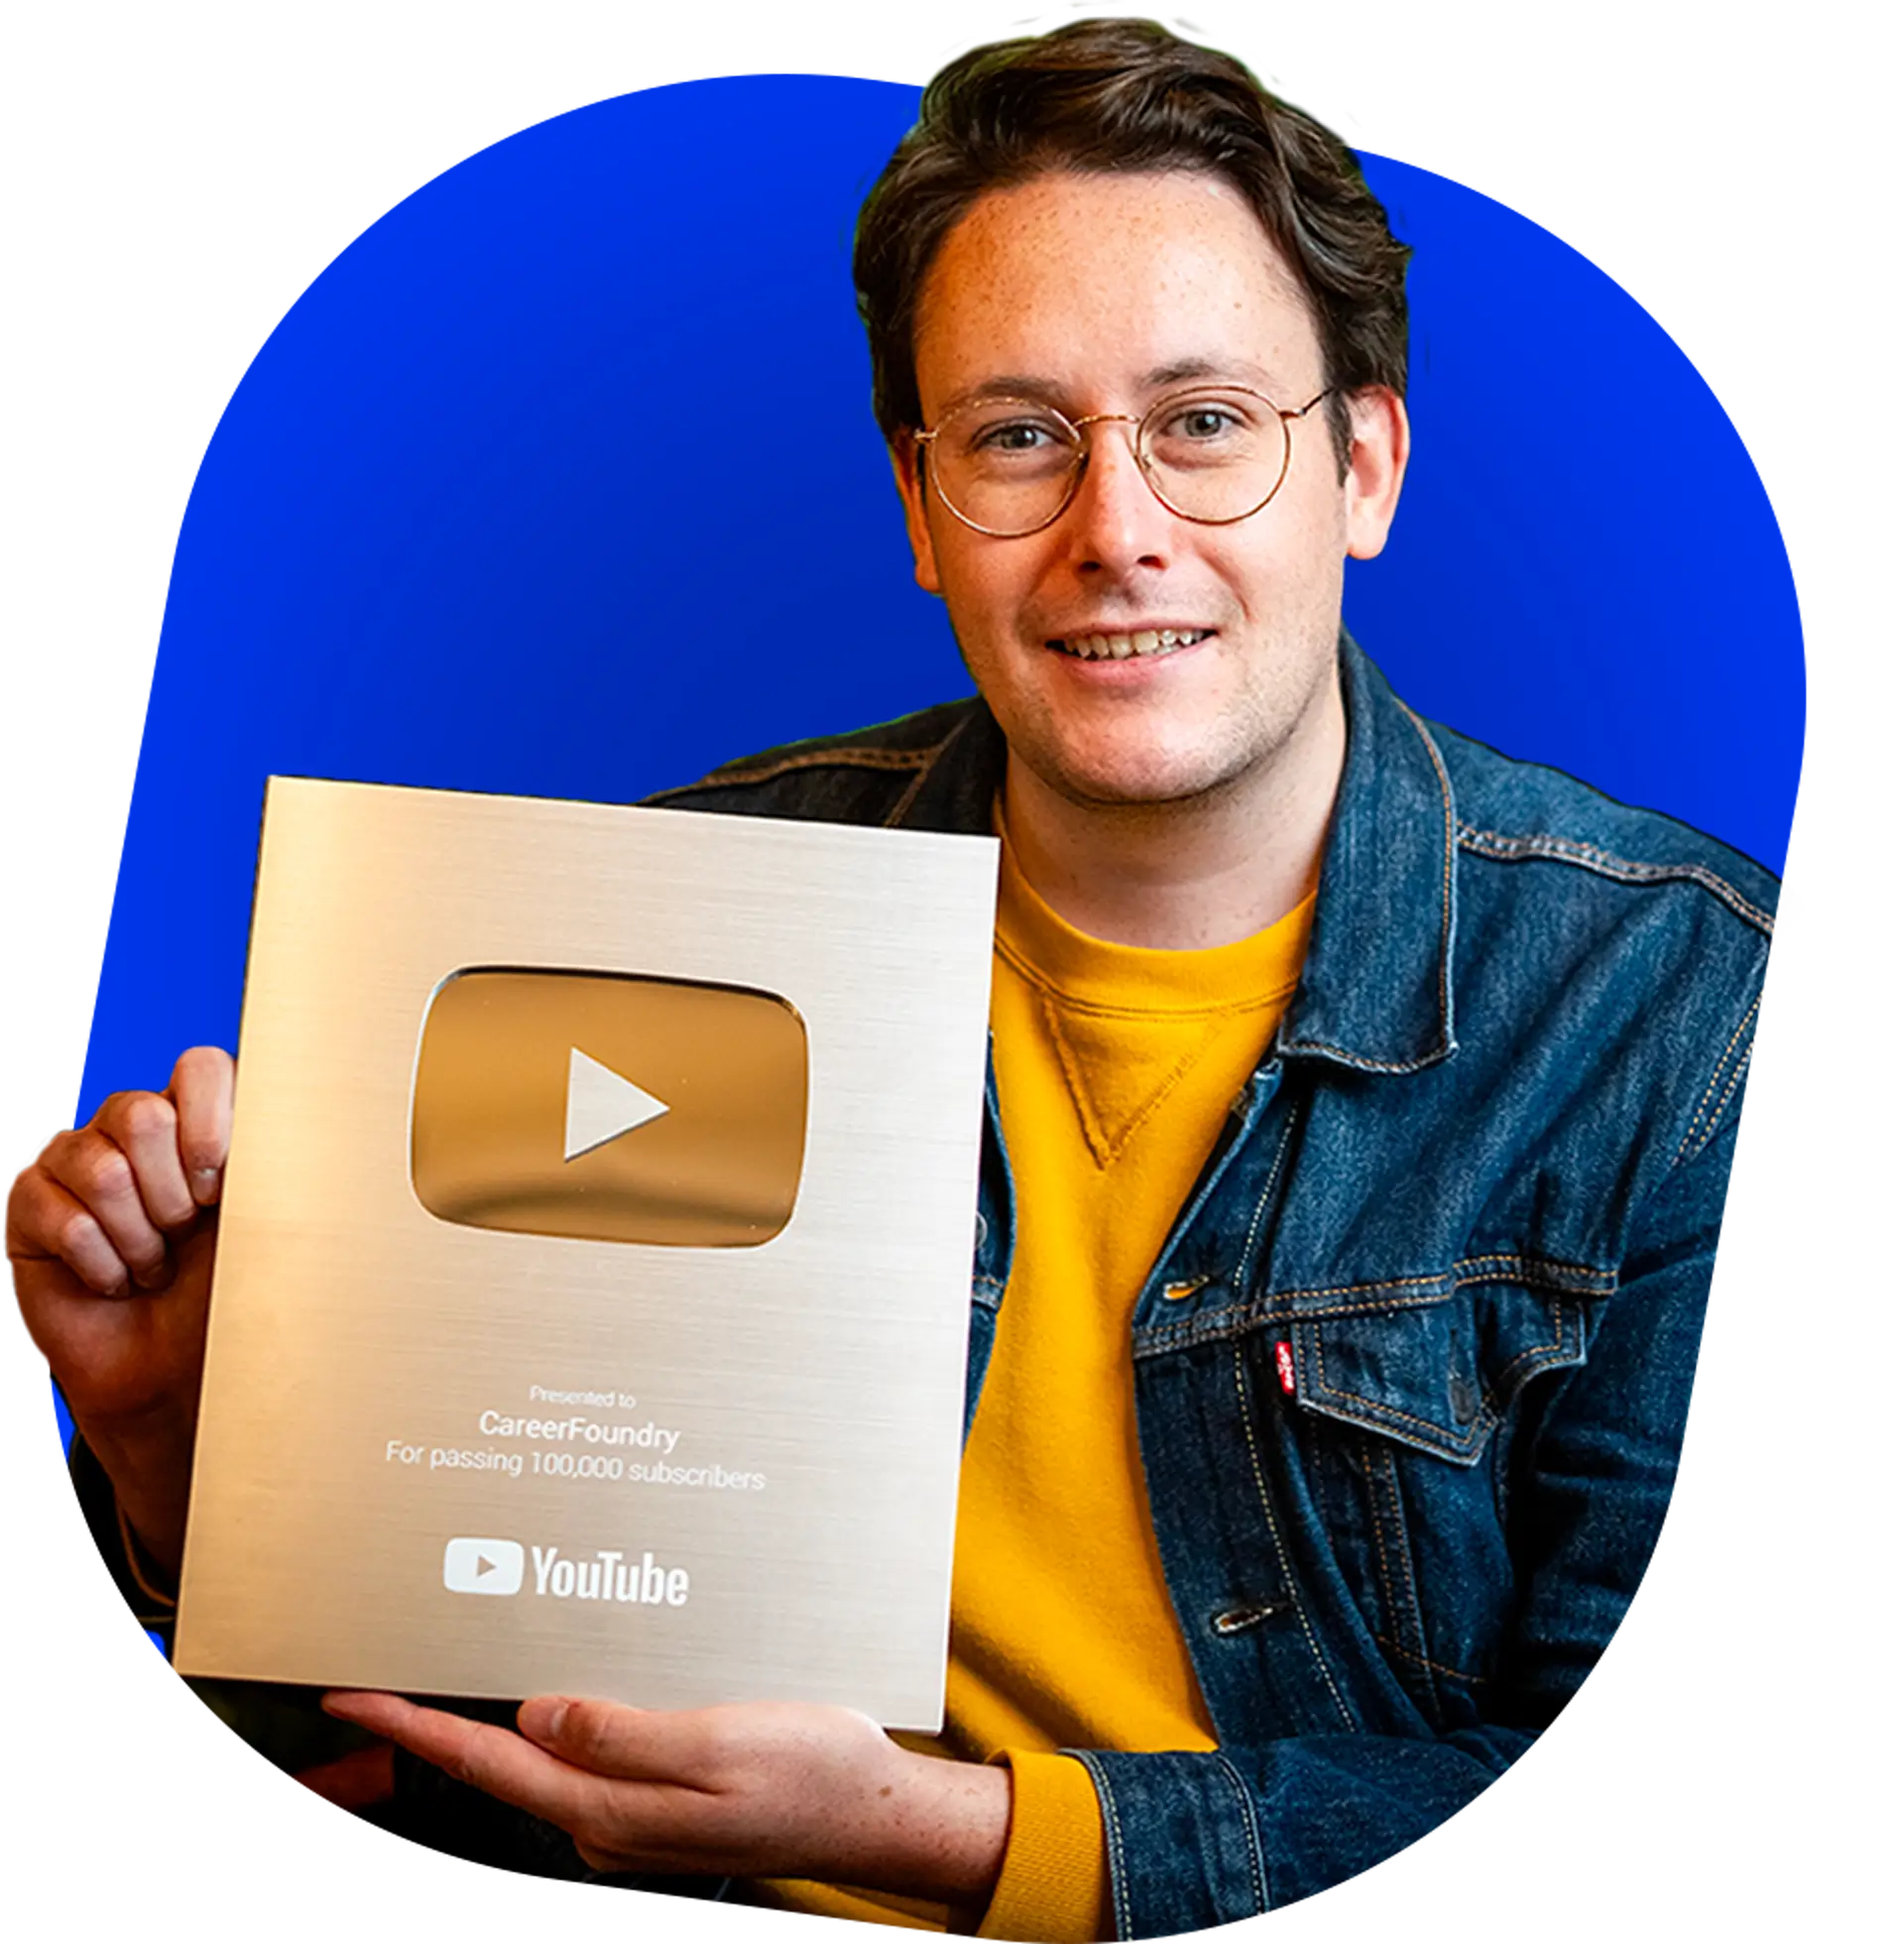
(1102, 293)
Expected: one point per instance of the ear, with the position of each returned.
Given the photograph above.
(908, 474)
(1378, 458)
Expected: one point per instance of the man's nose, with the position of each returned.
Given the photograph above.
(1116, 522)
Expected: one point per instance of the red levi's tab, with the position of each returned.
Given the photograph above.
(1286, 1368)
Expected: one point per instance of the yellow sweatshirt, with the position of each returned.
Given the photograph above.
(1116, 1067)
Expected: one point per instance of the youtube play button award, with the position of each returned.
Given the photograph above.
(595, 1255)
(523, 1100)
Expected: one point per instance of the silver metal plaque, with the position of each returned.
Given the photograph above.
(595, 1255)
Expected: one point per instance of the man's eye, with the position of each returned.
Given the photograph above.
(1202, 422)
(1008, 437)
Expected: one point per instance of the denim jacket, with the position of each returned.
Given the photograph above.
(1412, 1367)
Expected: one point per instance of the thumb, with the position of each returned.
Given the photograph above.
(601, 1736)
(542, 1720)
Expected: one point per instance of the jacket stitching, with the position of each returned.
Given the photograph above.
(917, 783)
(1566, 850)
(1567, 1277)
(1445, 1039)
(1540, 1355)
(1417, 1628)
(1470, 1268)
(1434, 1667)
(1381, 1544)
(1114, 1842)
(1726, 1099)
(1371, 1411)
(1260, 1311)
(1361, 1060)
(1275, 1536)
(1447, 862)
(1249, 1255)
(1387, 1489)
(1700, 1114)
(837, 758)
(1257, 1877)
(1372, 1407)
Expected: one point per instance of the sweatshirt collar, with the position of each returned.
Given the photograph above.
(1377, 990)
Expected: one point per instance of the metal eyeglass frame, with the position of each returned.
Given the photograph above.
(1288, 417)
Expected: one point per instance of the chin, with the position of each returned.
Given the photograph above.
(1126, 779)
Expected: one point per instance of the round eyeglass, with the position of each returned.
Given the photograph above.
(1007, 467)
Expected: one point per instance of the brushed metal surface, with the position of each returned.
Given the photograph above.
(723, 1471)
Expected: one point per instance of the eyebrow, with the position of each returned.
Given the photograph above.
(1239, 371)
(1181, 371)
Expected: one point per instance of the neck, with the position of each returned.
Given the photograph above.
(1194, 872)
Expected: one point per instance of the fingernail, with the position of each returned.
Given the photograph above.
(204, 1185)
(541, 1718)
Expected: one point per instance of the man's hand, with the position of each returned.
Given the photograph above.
(764, 1789)
(110, 1233)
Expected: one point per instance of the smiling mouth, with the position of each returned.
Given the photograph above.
(1119, 648)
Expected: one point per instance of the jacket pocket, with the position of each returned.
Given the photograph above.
(1398, 1408)
(1438, 1376)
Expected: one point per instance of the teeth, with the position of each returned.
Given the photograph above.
(1119, 648)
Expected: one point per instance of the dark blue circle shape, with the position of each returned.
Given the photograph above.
(554, 479)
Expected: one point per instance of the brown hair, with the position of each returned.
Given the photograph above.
(1128, 94)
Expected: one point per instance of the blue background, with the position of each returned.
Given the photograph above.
(429, 543)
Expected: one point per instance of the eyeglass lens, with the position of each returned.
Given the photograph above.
(1008, 467)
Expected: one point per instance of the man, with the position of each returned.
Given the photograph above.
(1362, 1113)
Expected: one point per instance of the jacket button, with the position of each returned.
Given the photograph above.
(1240, 1620)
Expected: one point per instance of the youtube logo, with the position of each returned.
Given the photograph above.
(482, 1566)
(610, 1108)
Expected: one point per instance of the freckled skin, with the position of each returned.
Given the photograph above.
(1091, 282)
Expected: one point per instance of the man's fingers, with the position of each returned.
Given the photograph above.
(619, 1822)
(358, 1780)
(201, 1090)
(46, 1223)
(368, 1709)
(145, 1128)
(676, 1747)
(493, 1759)
(95, 1172)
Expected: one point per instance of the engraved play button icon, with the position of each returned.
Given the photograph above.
(482, 1566)
(610, 1108)
(602, 1105)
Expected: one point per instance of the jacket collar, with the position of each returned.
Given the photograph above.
(956, 788)
(1377, 992)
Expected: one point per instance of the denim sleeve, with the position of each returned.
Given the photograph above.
(287, 1726)
(1197, 1839)
(284, 1723)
